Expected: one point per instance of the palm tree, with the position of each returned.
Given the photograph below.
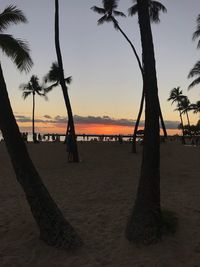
(195, 71)
(176, 96)
(196, 34)
(145, 222)
(108, 11)
(185, 107)
(71, 135)
(53, 227)
(33, 88)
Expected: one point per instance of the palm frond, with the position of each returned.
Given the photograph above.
(68, 80)
(17, 50)
(195, 71)
(110, 4)
(11, 15)
(49, 88)
(98, 10)
(25, 94)
(118, 13)
(53, 74)
(102, 20)
(133, 10)
(195, 82)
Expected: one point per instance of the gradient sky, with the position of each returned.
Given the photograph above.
(106, 78)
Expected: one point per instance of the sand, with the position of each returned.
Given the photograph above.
(96, 197)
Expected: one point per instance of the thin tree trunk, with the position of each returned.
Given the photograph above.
(137, 123)
(33, 119)
(63, 85)
(54, 229)
(145, 222)
(182, 127)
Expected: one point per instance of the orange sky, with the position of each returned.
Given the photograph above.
(84, 128)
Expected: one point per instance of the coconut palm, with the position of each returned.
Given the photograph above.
(145, 222)
(196, 34)
(109, 12)
(33, 88)
(71, 135)
(195, 72)
(54, 229)
(176, 96)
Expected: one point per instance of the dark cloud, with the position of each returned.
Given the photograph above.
(106, 120)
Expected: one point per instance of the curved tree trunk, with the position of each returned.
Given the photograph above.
(54, 229)
(145, 222)
(64, 88)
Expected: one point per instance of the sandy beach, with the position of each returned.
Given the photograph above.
(96, 197)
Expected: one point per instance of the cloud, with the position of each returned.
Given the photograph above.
(104, 120)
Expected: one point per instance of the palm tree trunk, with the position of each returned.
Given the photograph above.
(33, 119)
(181, 119)
(143, 95)
(145, 222)
(63, 85)
(54, 229)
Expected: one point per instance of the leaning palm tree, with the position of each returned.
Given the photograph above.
(33, 88)
(176, 96)
(145, 222)
(109, 12)
(71, 135)
(53, 227)
(195, 72)
(196, 34)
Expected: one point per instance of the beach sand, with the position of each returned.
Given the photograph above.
(96, 196)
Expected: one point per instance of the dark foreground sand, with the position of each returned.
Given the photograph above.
(96, 197)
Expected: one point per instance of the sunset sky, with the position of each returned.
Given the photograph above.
(106, 88)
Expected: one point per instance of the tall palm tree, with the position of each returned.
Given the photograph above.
(71, 135)
(53, 227)
(109, 12)
(155, 8)
(33, 88)
(176, 96)
(145, 222)
(196, 34)
(195, 72)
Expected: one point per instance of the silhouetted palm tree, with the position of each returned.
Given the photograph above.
(185, 107)
(33, 88)
(195, 71)
(145, 222)
(176, 96)
(54, 229)
(196, 34)
(71, 135)
(108, 11)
